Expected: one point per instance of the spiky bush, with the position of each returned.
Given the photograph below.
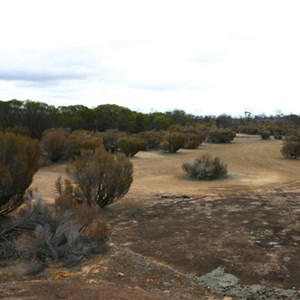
(54, 143)
(206, 167)
(131, 145)
(41, 236)
(172, 142)
(82, 140)
(101, 177)
(220, 136)
(19, 160)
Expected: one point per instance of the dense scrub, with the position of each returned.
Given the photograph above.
(19, 160)
(206, 167)
(220, 136)
(172, 142)
(131, 145)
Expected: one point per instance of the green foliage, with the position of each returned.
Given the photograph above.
(19, 160)
(265, 134)
(54, 143)
(82, 140)
(220, 136)
(173, 141)
(101, 176)
(205, 168)
(131, 145)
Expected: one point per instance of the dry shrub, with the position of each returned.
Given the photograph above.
(19, 160)
(131, 145)
(83, 140)
(42, 237)
(290, 149)
(101, 176)
(220, 136)
(110, 139)
(54, 143)
(172, 142)
(206, 167)
(152, 138)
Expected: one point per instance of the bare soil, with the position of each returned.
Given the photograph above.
(168, 231)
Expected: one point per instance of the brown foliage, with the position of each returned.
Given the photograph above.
(101, 176)
(172, 142)
(290, 149)
(19, 160)
(131, 145)
(54, 143)
(152, 138)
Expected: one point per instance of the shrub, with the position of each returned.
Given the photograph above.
(205, 167)
(110, 139)
(152, 138)
(220, 136)
(54, 143)
(82, 140)
(101, 176)
(19, 160)
(265, 134)
(290, 149)
(130, 145)
(172, 142)
(41, 237)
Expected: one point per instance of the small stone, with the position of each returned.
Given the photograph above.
(227, 298)
(121, 275)
(91, 281)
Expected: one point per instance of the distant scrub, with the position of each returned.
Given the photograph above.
(131, 145)
(19, 160)
(172, 142)
(220, 136)
(206, 168)
(265, 134)
(152, 138)
(291, 149)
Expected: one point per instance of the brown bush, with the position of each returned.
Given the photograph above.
(206, 167)
(54, 143)
(220, 136)
(110, 139)
(291, 149)
(101, 176)
(130, 145)
(172, 142)
(83, 140)
(19, 160)
(152, 138)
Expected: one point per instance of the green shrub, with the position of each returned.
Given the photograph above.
(54, 143)
(82, 140)
(290, 149)
(205, 168)
(130, 145)
(172, 142)
(101, 176)
(19, 160)
(220, 136)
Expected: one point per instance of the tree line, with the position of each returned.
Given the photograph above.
(36, 117)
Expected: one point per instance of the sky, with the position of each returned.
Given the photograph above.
(203, 57)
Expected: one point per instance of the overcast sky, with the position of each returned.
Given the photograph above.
(205, 57)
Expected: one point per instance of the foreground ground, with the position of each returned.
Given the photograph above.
(169, 232)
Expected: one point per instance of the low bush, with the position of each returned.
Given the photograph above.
(19, 160)
(100, 176)
(265, 134)
(54, 143)
(206, 167)
(152, 138)
(220, 136)
(291, 149)
(110, 139)
(42, 237)
(131, 145)
(172, 142)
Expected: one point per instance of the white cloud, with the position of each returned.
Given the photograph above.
(200, 56)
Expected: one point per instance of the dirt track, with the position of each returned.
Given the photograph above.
(168, 230)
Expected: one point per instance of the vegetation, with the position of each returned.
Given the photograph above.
(19, 160)
(101, 177)
(205, 168)
(131, 145)
(172, 142)
(291, 148)
(42, 236)
(220, 136)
